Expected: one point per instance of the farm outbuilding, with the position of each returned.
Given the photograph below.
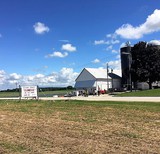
(97, 79)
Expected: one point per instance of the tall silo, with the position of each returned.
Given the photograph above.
(125, 66)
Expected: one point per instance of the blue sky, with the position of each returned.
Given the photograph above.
(49, 42)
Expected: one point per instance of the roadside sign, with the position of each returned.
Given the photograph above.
(29, 92)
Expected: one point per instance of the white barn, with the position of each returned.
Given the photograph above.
(92, 78)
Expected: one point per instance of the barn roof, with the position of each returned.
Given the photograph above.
(114, 76)
(98, 73)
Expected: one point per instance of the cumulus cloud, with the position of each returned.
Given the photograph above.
(2, 72)
(152, 24)
(2, 76)
(155, 42)
(116, 66)
(65, 77)
(57, 54)
(96, 61)
(14, 76)
(68, 47)
(40, 28)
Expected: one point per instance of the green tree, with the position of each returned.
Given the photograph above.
(145, 63)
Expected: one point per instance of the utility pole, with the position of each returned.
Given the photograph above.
(130, 77)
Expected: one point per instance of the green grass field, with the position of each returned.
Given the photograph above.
(41, 93)
(79, 127)
(144, 93)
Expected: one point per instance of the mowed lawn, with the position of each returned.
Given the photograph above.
(142, 93)
(69, 127)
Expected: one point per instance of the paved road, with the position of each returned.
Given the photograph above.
(101, 98)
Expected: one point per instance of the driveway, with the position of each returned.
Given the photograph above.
(106, 98)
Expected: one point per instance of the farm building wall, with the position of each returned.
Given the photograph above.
(116, 83)
(91, 79)
(85, 75)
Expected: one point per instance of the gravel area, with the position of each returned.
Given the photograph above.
(104, 97)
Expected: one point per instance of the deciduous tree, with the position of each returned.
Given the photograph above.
(145, 63)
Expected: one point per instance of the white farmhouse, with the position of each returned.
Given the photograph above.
(92, 78)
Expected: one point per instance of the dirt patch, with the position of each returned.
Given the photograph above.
(63, 128)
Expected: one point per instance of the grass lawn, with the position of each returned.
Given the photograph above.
(79, 127)
(40, 94)
(144, 93)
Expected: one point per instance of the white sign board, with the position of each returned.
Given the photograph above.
(29, 91)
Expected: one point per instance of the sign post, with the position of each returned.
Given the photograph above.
(29, 92)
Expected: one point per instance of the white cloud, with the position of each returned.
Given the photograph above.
(152, 24)
(118, 56)
(115, 41)
(2, 76)
(122, 45)
(2, 72)
(112, 40)
(40, 28)
(99, 42)
(96, 61)
(112, 36)
(109, 35)
(39, 76)
(14, 76)
(67, 75)
(57, 54)
(68, 47)
(64, 77)
(125, 44)
(117, 71)
(155, 42)
(114, 51)
(116, 66)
